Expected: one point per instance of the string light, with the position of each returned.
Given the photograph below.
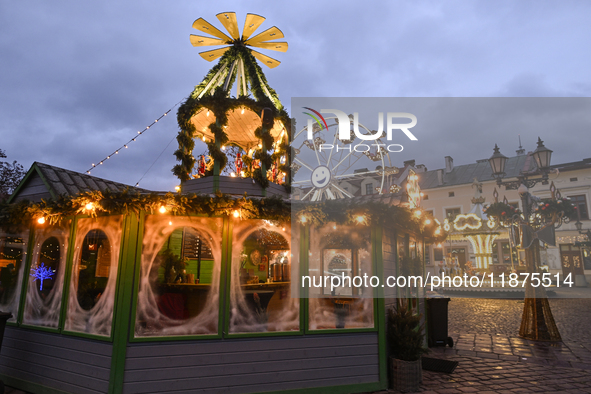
(303, 219)
(89, 206)
(236, 213)
(41, 220)
(177, 188)
(162, 209)
(133, 139)
(428, 221)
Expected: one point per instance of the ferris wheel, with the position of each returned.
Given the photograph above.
(323, 165)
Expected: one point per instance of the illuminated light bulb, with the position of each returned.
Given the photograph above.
(428, 221)
(260, 145)
(170, 223)
(236, 213)
(139, 132)
(101, 162)
(439, 245)
(233, 174)
(360, 219)
(438, 231)
(116, 152)
(203, 138)
(334, 227)
(41, 220)
(283, 228)
(162, 209)
(207, 113)
(108, 157)
(223, 147)
(418, 213)
(156, 121)
(242, 174)
(303, 219)
(89, 206)
(93, 165)
(166, 114)
(133, 139)
(177, 188)
(147, 127)
(242, 112)
(125, 146)
(422, 194)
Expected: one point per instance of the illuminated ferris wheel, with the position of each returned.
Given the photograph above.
(322, 165)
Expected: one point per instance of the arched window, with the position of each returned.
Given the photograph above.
(93, 268)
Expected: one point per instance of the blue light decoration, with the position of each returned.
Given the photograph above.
(41, 272)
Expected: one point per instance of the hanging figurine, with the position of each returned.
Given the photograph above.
(202, 167)
(238, 162)
(274, 172)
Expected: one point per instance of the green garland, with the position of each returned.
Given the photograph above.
(549, 208)
(109, 203)
(220, 105)
(351, 212)
(501, 211)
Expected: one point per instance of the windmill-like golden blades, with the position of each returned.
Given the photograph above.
(274, 46)
(200, 41)
(229, 21)
(213, 54)
(251, 23)
(266, 60)
(206, 27)
(272, 33)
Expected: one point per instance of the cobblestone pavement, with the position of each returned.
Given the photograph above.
(493, 359)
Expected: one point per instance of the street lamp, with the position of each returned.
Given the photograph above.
(537, 322)
(541, 155)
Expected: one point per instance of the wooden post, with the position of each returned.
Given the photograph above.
(216, 165)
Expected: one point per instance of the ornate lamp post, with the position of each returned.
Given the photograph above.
(537, 322)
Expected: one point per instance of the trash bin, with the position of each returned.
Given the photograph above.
(3, 318)
(437, 322)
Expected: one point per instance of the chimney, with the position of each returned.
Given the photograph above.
(409, 163)
(440, 177)
(449, 164)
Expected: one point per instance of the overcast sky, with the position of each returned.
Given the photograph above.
(79, 79)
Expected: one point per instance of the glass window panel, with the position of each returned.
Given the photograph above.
(13, 249)
(180, 276)
(46, 278)
(261, 274)
(94, 275)
(343, 252)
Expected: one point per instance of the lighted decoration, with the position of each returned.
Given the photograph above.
(467, 221)
(126, 145)
(482, 246)
(248, 117)
(41, 220)
(413, 189)
(41, 272)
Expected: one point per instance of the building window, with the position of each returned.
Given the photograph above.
(425, 197)
(580, 202)
(574, 179)
(451, 213)
(451, 194)
(427, 256)
(438, 254)
(369, 188)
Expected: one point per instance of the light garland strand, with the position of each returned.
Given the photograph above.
(125, 146)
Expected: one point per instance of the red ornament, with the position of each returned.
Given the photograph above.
(503, 213)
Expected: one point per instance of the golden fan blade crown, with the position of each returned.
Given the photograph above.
(264, 40)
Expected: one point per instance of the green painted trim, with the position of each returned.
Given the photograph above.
(343, 330)
(123, 302)
(20, 308)
(29, 386)
(136, 277)
(68, 273)
(344, 389)
(264, 334)
(304, 270)
(88, 336)
(175, 338)
(55, 330)
(226, 277)
(380, 304)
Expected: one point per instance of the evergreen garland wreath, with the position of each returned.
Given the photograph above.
(265, 102)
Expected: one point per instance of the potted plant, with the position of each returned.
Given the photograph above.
(406, 346)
